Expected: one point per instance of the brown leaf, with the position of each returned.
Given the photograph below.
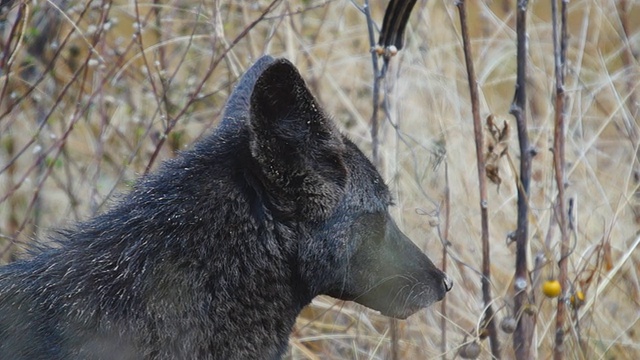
(497, 147)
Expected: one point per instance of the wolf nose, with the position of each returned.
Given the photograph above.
(448, 283)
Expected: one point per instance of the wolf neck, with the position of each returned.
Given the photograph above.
(247, 257)
(233, 261)
(245, 291)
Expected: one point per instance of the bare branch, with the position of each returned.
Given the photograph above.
(522, 337)
(559, 168)
(488, 316)
(377, 76)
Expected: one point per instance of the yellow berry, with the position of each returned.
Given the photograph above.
(577, 299)
(551, 288)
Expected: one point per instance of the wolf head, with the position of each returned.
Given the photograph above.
(348, 246)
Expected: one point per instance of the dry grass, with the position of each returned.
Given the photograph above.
(90, 91)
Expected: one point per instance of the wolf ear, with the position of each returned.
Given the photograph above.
(296, 145)
(237, 108)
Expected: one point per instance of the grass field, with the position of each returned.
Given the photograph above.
(95, 93)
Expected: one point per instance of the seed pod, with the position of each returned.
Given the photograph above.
(470, 350)
(508, 324)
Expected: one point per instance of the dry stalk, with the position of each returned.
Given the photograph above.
(560, 48)
(7, 53)
(215, 61)
(56, 150)
(445, 242)
(522, 337)
(377, 78)
(633, 106)
(41, 169)
(488, 316)
(628, 61)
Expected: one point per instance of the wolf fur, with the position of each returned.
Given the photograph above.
(214, 255)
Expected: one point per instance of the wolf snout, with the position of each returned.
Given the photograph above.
(446, 284)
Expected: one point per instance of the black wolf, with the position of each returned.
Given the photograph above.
(214, 256)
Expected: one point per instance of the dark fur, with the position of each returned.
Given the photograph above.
(215, 255)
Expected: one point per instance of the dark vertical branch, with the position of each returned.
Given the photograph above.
(445, 242)
(390, 42)
(559, 50)
(488, 317)
(377, 77)
(522, 337)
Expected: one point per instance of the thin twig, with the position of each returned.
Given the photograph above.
(212, 65)
(445, 241)
(628, 61)
(488, 316)
(522, 337)
(559, 168)
(377, 77)
(632, 104)
(8, 55)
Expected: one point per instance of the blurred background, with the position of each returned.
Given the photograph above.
(95, 93)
